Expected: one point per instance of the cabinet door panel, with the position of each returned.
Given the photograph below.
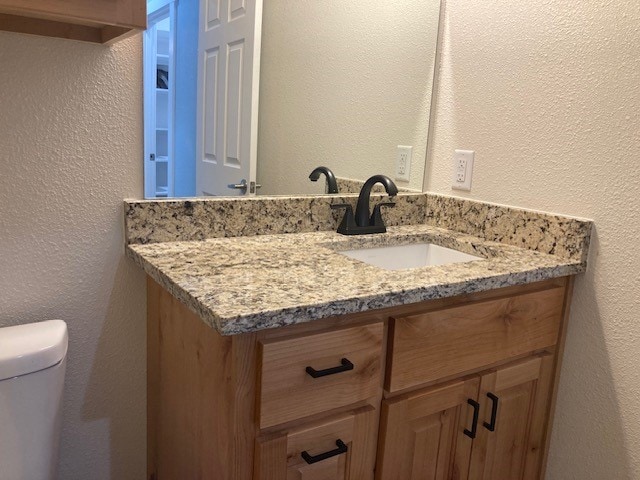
(511, 450)
(422, 433)
(506, 448)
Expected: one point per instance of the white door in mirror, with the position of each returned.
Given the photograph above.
(462, 169)
(228, 86)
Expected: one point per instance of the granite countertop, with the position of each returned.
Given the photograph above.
(245, 284)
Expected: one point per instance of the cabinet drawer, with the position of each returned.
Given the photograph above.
(452, 341)
(346, 364)
(341, 448)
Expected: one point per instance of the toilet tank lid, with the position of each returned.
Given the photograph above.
(31, 347)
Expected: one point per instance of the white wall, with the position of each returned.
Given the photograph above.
(548, 94)
(342, 85)
(70, 151)
(534, 87)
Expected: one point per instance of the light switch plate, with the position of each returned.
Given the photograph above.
(462, 169)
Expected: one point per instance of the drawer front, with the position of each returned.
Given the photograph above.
(341, 448)
(439, 344)
(307, 375)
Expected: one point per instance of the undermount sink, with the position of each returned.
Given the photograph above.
(416, 255)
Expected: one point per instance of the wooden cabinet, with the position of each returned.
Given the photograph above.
(97, 21)
(451, 389)
(340, 448)
(447, 342)
(485, 427)
(514, 401)
(422, 434)
(310, 374)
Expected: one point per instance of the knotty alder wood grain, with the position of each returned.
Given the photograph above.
(288, 392)
(455, 340)
(421, 433)
(200, 395)
(97, 21)
(278, 457)
(513, 450)
(243, 407)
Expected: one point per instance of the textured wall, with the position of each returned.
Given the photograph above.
(70, 151)
(547, 93)
(342, 85)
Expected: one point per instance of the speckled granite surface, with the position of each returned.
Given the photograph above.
(348, 185)
(261, 278)
(246, 284)
(150, 221)
(543, 232)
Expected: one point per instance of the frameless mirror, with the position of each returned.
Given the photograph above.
(250, 96)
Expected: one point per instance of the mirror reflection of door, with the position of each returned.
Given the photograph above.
(159, 91)
(228, 87)
(202, 65)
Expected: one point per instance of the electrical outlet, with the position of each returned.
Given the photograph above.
(462, 169)
(403, 163)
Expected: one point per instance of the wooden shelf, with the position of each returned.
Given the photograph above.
(96, 21)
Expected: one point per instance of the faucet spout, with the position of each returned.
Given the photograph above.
(332, 184)
(362, 208)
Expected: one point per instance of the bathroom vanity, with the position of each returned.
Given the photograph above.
(277, 357)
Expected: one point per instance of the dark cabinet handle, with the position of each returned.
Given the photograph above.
(345, 366)
(494, 413)
(474, 426)
(342, 448)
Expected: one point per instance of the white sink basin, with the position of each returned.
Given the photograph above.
(416, 255)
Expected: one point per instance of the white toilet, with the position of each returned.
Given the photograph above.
(32, 367)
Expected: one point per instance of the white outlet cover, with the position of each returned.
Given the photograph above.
(403, 163)
(462, 169)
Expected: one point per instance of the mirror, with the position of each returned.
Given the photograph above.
(341, 84)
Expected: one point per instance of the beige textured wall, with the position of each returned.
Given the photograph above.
(548, 94)
(70, 151)
(342, 85)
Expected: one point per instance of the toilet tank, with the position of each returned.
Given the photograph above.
(32, 368)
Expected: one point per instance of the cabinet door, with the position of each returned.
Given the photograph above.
(422, 433)
(514, 408)
(342, 448)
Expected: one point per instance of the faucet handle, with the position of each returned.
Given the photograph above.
(347, 207)
(376, 216)
(348, 224)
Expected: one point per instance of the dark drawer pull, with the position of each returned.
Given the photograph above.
(474, 426)
(345, 366)
(491, 426)
(342, 448)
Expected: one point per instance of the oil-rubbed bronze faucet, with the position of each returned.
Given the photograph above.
(363, 222)
(332, 184)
